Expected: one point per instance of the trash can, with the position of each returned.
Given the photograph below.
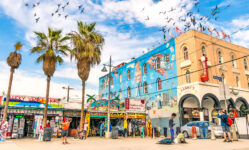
(165, 132)
(114, 132)
(47, 136)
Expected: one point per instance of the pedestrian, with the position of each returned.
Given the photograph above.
(102, 128)
(171, 126)
(85, 130)
(130, 128)
(125, 128)
(64, 133)
(225, 125)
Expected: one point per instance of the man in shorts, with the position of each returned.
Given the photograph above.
(225, 127)
(64, 133)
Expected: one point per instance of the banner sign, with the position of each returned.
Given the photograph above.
(103, 105)
(134, 104)
(30, 101)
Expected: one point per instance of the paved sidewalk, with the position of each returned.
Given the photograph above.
(121, 144)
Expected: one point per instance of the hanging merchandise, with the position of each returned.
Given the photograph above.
(15, 128)
(21, 128)
(9, 132)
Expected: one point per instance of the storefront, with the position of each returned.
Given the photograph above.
(25, 115)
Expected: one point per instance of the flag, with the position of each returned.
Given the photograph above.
(235, 113)
(170, 34)
(224, 35)
(178, 30)
(201, 27)
(210, 30)
(216, 32)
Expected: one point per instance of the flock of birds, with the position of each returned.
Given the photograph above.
(189, 19)
(59, 11)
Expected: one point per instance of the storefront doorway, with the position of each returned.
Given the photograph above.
(210, 103)
(95, 123)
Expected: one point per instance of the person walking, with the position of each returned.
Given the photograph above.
(225, 125)
(85, 130)
(171, 127)
(125, 128)
(64, 133)
(102, 128)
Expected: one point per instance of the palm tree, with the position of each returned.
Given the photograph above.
(13, 60)
(50, 49)
(87, 51)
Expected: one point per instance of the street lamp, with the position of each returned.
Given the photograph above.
(68, 88)
(223, 83)
(109, 91)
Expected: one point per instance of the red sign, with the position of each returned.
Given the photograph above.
(204, 76)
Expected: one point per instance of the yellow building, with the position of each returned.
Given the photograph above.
(223, 58)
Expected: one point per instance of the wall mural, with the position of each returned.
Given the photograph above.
(160, 103)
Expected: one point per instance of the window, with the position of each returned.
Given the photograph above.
(159, 84)
(237, 81)
(129, 74)
(158, 63)
(220, 57)
(120, 94)
(145, 68)
(129, 92)
(188, 76)
(245, 63)
(145, 87)
(111, 80)
(233, 62)
(185, 53)
(203, 51)
(120, 77)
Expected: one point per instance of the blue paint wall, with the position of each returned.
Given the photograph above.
(160, 102)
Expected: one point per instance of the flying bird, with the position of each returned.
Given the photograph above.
(37, 20)
(196, 4)
(34, 5)
(57, 11)
(34, 14)
(216, 7)
(52, 14)
(82, 11)
(142, 9)
(170, 20)
(147, 18)
(66, 16)
(38, 3)
(63, 7)
(59, 5)
(80, 7)
(59, 15)
(27, 5)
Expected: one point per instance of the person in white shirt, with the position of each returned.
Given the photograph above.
(85, 130)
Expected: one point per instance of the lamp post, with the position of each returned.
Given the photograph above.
(68, 88)
(109, 91)
(223, 83)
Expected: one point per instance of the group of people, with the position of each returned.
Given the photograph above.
(225, 124)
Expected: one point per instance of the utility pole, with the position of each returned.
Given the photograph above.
(68, 88)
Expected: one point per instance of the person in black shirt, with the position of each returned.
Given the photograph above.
(171, 126)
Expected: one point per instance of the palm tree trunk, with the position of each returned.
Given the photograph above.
(12, 70)
(82, 118)
(46, 104)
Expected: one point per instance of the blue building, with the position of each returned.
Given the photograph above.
(150, 77)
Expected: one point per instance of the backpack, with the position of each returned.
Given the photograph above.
(229, 121)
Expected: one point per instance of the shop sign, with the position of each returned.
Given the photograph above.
(34, 99)
(187, 88)
(135, 104)
(102, 105)
(98, 114)
(136, 116)
(117, 115)
(72, 113)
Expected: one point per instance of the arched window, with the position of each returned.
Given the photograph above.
(188, 80)
(185, 53)
(145, 87)
(159, 84)
(219, 57)
(237, 81)
(129, 92)
(203, 51)
(129, 74)
(245, 64)
(158, 66)
(233, 62)
(120, 94)
(145, 68)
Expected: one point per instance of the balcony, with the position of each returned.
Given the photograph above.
(185, 63)
(236, 70)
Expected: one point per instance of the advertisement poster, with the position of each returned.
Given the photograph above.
(135, 105)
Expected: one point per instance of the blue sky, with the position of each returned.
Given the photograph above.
(122, 23)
